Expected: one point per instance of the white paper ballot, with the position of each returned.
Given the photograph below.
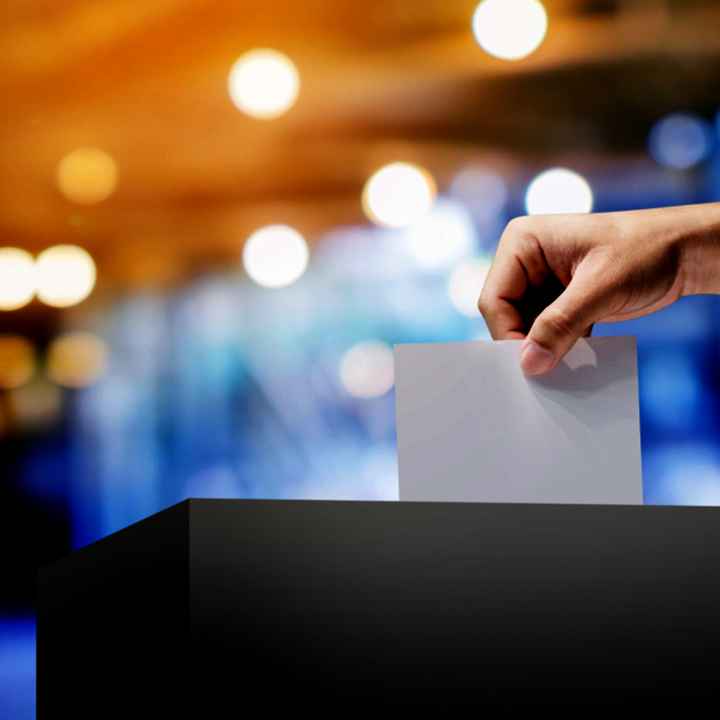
(472, 428)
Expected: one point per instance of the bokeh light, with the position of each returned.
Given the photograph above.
(264, 83)
(441, 237)
(681, 141)
(398, 195)
(558, 190)
(510, 29)
(35, 405)
(65, 275)
(17, 361)
(361, 254)
(671, 391)
(77, 359)
(367, 370)
(275, 256)
(687, 473)
(482, 191)
(87, 176)
(465, 284)
(17, 278)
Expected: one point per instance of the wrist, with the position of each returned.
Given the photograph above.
(699, 247)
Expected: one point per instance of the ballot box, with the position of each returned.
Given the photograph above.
(214, 608)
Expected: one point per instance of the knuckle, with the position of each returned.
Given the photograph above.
(528, 245)
(519, 223)
(558, 322)
(519, 227)
(521, 235)
(483, 304)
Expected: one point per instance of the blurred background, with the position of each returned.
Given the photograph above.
(216, 218)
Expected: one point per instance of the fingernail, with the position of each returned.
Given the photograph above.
(535, 359)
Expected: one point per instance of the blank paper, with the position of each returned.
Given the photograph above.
(471, 427)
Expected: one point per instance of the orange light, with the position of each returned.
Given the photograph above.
(76, 360)
(17, 361)
(87, 176)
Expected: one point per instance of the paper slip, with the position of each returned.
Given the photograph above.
(472, 428)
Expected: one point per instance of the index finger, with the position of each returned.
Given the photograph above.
(505, 281)
(519, 265)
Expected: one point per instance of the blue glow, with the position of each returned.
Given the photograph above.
(17, 669)
(684, 475)
(681, 141)
(361, 254)
(670, 389)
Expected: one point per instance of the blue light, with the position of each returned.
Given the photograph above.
(670, 389)
(17, 669)
(361, 254)
(681, 141)
(683, 475)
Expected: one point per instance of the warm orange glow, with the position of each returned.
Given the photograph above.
(17, 361)
(87, 176)
(76, 360)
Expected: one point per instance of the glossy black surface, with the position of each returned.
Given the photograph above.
(214, 603)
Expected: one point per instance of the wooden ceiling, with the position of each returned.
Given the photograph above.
(381, 80)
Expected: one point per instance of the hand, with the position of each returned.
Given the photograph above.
(554, 276)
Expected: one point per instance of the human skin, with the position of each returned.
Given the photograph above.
(554, 276)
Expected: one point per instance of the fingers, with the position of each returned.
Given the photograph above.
(585, 300)
(520, 276)
(518, 265)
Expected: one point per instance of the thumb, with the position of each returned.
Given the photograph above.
(557, 328)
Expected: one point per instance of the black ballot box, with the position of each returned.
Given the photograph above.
(217, 608)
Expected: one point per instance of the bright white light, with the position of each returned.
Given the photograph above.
(275, 256)
(398, 195)
(465, 284)
(441, 237)
(680, 141)
(558, 191)
(264, 83)
(510, 29)
(367, 369)
(17, 278)
(87, 176)
(65, 275)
